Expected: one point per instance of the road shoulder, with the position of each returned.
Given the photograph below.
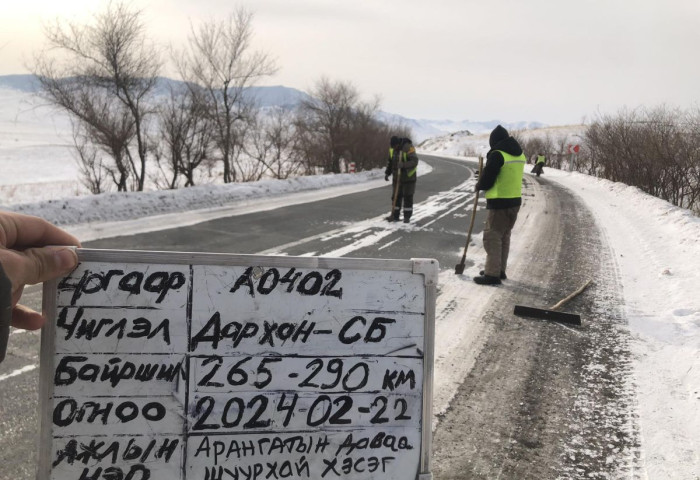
(544, 400)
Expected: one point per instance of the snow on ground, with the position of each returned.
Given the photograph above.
(657, 247)
(36, 159)
(657, 251)
(475, 145)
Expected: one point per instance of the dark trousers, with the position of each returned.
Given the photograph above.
(404, 199)
(499, 224)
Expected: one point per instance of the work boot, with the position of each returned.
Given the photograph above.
(503, 274)
(392, 218)
(487, 280)
(406, 219)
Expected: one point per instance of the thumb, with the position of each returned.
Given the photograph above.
(46, 263)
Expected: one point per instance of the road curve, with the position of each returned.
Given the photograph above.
(534, 393)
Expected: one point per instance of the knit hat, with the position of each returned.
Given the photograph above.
(497, 136)
(395, 141)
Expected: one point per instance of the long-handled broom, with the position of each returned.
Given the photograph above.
(552, 313)
(459, 268)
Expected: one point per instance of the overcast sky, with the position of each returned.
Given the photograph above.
(553, 61)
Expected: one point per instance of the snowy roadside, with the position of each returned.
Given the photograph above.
(115, 207)
(657, 248)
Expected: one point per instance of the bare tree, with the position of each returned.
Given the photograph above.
(185, 131)
(692, 153)
(220, 61)
(273, 142)
(369, 137)
(334, 123)
(89, 161)
(325, 118)
(109, 71)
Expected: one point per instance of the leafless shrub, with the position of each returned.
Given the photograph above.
(553, 147)
(369, 137)
(654, 149)
(219, 61)
(272, 144)
(105, 81)
(89, 162)
(185, 132)
(325, 120)
(334, 123)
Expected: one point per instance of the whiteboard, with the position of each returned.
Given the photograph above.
(171, 365)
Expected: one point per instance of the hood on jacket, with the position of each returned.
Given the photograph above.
(501, 140)
(497, 136)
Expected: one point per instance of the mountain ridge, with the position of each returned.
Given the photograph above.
(289, 97)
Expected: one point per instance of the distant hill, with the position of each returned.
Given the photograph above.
(473, 144)
(266, 96)
(287, 97)
(424, 128)
(23, 83)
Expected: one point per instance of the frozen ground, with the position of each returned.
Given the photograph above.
(657, 247)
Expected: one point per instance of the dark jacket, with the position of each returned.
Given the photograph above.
(499, 140)
(405, 158)
(5, 311)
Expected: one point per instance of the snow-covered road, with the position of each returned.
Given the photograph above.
(656, 252)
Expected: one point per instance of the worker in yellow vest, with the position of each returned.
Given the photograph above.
(394, 143)
(403, 167)
(539, 165)
(502, 179)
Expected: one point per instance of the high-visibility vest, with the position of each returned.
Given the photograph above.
(540, 158)
(405, 158)
(411, 172)
(509, 182)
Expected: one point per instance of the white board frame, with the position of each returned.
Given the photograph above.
(427, 268)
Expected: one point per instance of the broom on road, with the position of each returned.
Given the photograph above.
(459, 268)
(553, 313)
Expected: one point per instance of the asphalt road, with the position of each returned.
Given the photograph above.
(437, 230)
(543, 401)
(546, 400)
(320, 228)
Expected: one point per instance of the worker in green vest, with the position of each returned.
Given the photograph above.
(502, 180)
(394, 143)
(539, 165)
(402, 166)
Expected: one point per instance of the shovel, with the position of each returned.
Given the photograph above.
(396, 194)
(459, 268)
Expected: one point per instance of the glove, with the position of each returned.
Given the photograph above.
(386, 178)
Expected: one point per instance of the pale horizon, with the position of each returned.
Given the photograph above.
(550, 62)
